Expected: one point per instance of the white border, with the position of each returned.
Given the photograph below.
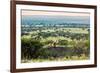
(20, 65)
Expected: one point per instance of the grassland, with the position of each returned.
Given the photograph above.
(55, 44)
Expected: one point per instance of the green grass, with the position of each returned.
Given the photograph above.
(71, 30)
(57, 59)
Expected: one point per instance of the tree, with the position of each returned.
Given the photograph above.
(63, 42)
(29, 48)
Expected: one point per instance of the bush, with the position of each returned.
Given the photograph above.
(82, 47)
(63, 42)
(29, 48)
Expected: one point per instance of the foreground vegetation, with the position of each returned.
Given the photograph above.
(41, 44)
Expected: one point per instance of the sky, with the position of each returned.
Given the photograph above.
(52, 13)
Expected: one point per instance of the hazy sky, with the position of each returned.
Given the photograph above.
(53, 13)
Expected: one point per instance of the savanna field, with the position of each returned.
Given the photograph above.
(54, 43)
(54, 36)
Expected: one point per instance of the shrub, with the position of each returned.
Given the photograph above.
(30, 47)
